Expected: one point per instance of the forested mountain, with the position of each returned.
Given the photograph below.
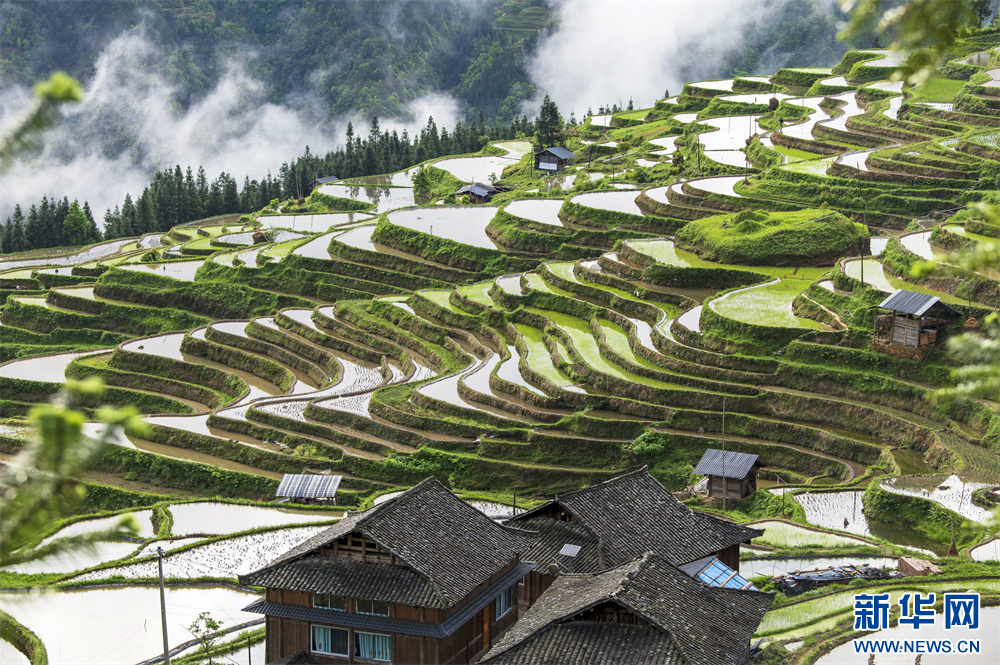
(371, 56)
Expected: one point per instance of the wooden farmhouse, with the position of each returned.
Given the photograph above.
(552, 160)
(427, 578)
(477, 192)
(730, 475)
(645, 611)
(617, 521)
(915, 319)
(319, 182)
(308, 488)
(422, 578)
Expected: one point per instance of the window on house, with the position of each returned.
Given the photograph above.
(373, 607)
(329, 640)
(372, 646)
(505, 601)
(330, 602)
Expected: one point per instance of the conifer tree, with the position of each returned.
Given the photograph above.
(549, 130)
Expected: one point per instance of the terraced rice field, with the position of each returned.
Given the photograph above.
(373, 360)
(770, 305)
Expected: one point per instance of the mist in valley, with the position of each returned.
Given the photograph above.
(136, 119)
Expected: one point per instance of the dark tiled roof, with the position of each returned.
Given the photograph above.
(388, 624)
(311, 486)
(577, 642)
(729, 464)
(326, 179)
(481, 190)
(560, 152)
(909, 302)
(552, 536)
(300, 658)
(351, 579)
(444, 539)
(706, 625)
(633, 514)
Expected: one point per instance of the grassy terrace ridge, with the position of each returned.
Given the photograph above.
(582, 317)
(809, 236)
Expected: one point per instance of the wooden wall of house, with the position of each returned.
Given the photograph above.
(905, 330)
(731, 488)
(730, 556)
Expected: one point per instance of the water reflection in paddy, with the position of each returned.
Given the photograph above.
(775, 567)
(842, 511)
(619, 201)
(67, 562)
(142, 523)
(725, 185)
(167, 346)
(465, 224)
(221, 518)
(312, 223)
(948, 491)
(475, 169)
(384, 198)
(182, 270)
(543, 211)
(316, 248)
(691, 319)
(43, 368)
(118, 625)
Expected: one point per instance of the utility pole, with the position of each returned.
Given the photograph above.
(249, 652)
(861, 253)
(725, 481)
(163, 608)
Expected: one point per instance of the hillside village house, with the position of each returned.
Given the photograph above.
(646, 611)
(427, 578)
(728, 474)
(618, 521)
(422, 578)
(319, 182)
(552, 160)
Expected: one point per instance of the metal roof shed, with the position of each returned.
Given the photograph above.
(308, 487)
(916, 319)
(730, 474)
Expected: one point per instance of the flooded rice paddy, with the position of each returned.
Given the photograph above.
(120, 625)
(620, 201)
(221, 518)
(781, 534)
(42, 368)
(774, 567)
(464, 224)
(182, 270)
(543, 211)
(948, 491)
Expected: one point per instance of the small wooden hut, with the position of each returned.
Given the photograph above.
(730, 475)
(915, 320)
(477, 192)
(308, 488)
(552, 160)
(318, 182)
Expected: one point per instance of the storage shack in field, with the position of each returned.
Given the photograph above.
(308, 488)
(477, 192)
(915, 319)
(730, 475)
(319, 182)
(552, 160)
